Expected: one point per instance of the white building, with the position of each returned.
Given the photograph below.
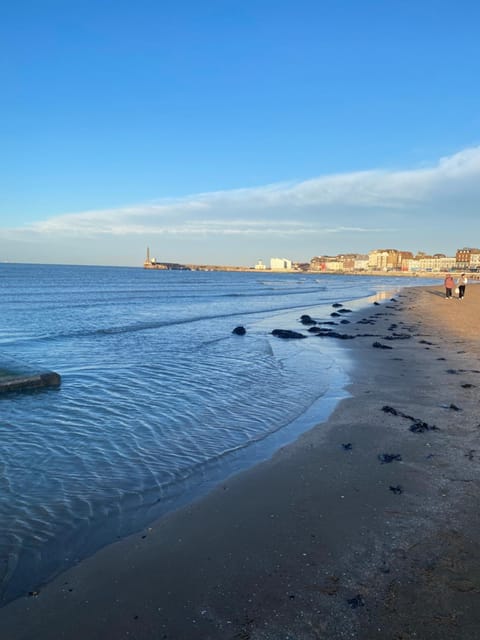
(475, 261)
(436, 263)
(334, 265)
(260, 266)
(280, 264)
(360, 264)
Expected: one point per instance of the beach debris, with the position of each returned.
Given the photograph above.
(454, 407)
(337, 305)
(451, 406)
(397, 489)
(470, 454)
(307, 320)
(335, 315)
(386, 458)
(393, 300)
(344, 321)
(394, 412)
(452, 371)
(287, 334)
(314, 330)
(417, 426)
(377, 304)
(344, 310)
(347, 446)
(398, 336)
(425, 342)
(329, 333)
(392, 327)
(379, 345)
(33, 594)
(467, 385)
(321, 331)
(239, 331)
(356, 601)
(329, 322)
(366, 321)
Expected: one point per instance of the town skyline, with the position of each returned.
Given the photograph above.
(465, 258)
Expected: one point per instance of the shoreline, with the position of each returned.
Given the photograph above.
(323, 540)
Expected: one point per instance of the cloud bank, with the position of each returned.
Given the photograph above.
(363, 210)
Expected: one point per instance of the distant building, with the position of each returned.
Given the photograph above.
(260, 266)
(301, 266)
(319, 263)
(360, 263)
(475, 261)
(435, 263)
(151, 263)
(280, 264)
(389, 260)
(383, 259)
(467, 257)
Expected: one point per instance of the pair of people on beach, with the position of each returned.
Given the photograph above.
(450, 284)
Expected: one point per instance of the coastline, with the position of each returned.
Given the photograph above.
(315, 543)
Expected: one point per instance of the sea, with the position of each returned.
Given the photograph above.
(159, 400)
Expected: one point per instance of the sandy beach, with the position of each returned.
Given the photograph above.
(366, 527)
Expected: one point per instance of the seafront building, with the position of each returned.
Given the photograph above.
(280, 264)
(395, 260)
(378, 260)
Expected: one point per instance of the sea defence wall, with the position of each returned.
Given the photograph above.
(17, 376)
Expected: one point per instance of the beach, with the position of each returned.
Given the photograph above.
(366, 527)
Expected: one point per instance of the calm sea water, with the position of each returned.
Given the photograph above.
(158, 399)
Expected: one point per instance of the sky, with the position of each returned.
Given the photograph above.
(228, 131)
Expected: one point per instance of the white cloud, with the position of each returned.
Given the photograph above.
(385, 203)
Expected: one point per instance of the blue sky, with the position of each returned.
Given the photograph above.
(227, 131)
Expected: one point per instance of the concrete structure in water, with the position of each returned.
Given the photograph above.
(15, 376)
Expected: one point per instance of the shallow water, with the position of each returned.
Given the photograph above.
(158, 398)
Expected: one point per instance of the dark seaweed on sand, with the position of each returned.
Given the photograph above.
(385, 458)
(417, 426)
(397, 489)
(379, 345)
(356, 601)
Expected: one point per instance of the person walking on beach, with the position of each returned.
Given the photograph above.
(449, 284)
(461, 284)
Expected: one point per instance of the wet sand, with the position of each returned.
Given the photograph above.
(366, 527)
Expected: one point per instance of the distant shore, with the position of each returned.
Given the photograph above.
(365, 527)
(383, 274)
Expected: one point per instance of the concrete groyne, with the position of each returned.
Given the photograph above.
(17, 376)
